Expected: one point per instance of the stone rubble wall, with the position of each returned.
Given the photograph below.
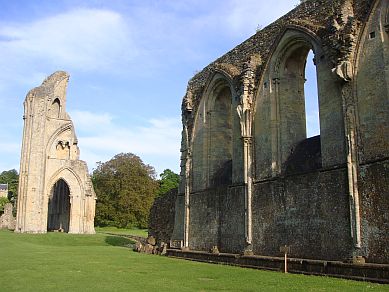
(7, 220)
(161, 218)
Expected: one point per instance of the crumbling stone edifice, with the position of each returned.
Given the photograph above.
(55, 189)
(251, 181)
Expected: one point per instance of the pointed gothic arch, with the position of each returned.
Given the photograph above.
(55, 108)
(58, 218)
(212, 138)
(280, 119)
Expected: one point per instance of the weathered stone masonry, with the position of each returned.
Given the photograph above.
(250, 179)
(55, 189)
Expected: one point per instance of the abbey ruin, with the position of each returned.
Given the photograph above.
(55, 190)
(251, 181)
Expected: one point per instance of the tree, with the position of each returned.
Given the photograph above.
(11, 178)
(125, 189)
(169, 180)
(3, 201)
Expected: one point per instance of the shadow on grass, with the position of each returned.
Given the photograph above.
(118, 241)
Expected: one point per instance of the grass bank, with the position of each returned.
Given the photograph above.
(122, 231)
(66, 262)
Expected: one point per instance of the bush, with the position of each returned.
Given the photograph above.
(3, 201)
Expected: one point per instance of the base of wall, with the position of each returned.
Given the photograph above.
(378, 273)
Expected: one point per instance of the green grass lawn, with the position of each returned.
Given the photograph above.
(124, 231)
(66, 262)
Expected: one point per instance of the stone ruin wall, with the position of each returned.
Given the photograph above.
(332, 208)
(55, 189)
(161, 218)
(7, 219)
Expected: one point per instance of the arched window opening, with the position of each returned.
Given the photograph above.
(300, 130)
(63, 150)
(212, 137)
(311, 98)
(55, 109)
(298, 110)
(59, 207)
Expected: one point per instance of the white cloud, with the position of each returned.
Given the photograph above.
(83, 39)
(90, 121)
(157, 143)
(243, 17)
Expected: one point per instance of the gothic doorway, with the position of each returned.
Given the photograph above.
(59, 207)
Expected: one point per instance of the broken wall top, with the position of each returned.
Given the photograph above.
(53, 86)
(319, 17)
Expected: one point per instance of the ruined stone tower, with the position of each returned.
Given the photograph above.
(55, 189)
(251, 179)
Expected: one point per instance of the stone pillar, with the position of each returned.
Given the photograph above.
(187, 201)
(275, 129)
(247, 148)
(187, 154)
(350, 125)
(245, 110)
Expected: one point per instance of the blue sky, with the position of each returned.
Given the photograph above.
(129, 64)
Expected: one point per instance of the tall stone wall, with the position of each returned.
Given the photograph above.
(326, 196)
(55, 189)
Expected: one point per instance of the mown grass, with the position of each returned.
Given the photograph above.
(66, 262)
(123, 231)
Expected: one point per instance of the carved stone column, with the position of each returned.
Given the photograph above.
(275, 129)
(187, 199)
(187, 155)
(352, 163)
(247, 146)
(245, 111)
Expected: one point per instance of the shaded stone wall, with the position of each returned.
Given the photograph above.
(204, 219)
(161, 218)
(217, 219)
(308, 212)
(374, 188)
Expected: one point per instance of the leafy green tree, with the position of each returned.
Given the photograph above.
(11, 178)
(169, 180)
(3, 201)
(125, 189)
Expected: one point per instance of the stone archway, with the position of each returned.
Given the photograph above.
(213, 136)
(58, 215)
